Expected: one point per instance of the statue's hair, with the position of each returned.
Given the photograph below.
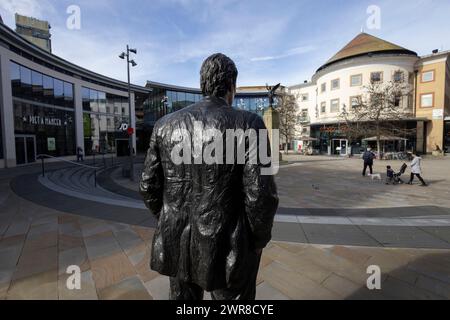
(217, 75)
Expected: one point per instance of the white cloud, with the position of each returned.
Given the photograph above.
(289, 53)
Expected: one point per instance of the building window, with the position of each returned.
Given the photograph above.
(68, 95)
(335, 84)
(427, 100)
(35, 86)
(303, 117)
(49, 90)
(376, 77)
(304, 97)
(356, 80)
(355, 101)
(46, 123)
(428, 76)
(397, 101)
(323, 107)
(323, 87)
(334, 106)
(398, 76)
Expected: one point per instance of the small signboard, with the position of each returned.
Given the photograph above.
(51, 144)
(438, 114)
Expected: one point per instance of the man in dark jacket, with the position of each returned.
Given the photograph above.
(213, 219)
(368, 157)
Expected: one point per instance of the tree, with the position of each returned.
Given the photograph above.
(378, 111)
(287, 111)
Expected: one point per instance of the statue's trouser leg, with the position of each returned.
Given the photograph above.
(248, 290)
(180, 290)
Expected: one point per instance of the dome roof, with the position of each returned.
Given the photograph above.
(365, 44)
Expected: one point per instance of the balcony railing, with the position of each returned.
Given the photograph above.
(304, 119)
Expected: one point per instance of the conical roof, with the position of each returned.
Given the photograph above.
(364, 44)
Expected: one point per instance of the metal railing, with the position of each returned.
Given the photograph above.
(103, 155)
(42, 157)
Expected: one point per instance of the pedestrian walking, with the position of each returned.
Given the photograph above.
(368, 157)
(416, 169)
(80, 154)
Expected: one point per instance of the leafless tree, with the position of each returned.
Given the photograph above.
(287, 110)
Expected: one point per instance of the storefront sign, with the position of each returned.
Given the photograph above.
(334, 129)
(51, 144)
(123, 127)
(438, 114)
(37, 120)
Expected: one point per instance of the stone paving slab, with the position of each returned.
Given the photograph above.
(338, 234)
(291, 232)
(405, 236)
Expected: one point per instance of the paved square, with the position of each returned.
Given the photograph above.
(332, 224)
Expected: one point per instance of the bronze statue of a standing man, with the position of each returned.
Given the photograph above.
(213, 219)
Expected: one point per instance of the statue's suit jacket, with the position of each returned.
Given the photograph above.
(210, 217)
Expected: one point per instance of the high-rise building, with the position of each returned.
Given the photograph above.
(34, 30)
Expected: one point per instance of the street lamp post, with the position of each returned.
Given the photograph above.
(130, 141)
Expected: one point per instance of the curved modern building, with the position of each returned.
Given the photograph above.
(51, 106)
(342, 81)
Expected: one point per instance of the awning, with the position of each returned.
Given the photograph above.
(386, 138)
(307, 139)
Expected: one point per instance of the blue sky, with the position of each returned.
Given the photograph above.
(270, 41)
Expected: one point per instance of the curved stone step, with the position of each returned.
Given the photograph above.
(80, 181)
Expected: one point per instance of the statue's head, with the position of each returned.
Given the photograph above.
(218, 77)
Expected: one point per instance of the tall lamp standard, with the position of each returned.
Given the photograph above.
(130, 141)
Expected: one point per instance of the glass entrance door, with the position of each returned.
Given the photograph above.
(25, 149)
(340, 147)
(343, 147)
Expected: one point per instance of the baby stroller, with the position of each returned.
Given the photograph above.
(397, 176)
